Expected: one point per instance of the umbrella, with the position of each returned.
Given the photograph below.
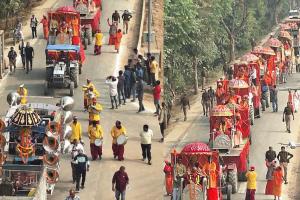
(267, 51)
(274, 42)
(238, 83)
(285, 34)
(249, 57)
(257, 50)
(195, 147)
(284, 27)
(25, 116)
(67, 9)
(221, 111)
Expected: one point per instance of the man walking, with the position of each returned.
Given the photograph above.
(205, 101)
(81, 167)
(116, 17)
(140, 94)
(33, 25)
(162, 119)
(127, 76)
(22, 52)
(146, 140)
(126, 18)
(29, 54)
(118, 149)
(251, 184)
(264, 96)
(76, 146)
(112, 82)
(274, 98)
(284, 158)
(95, 134)
(288, 111)
(119, 182)
(76, 130)
(12, 57)
(156, 96)
(270, 156)
(120, 86)
(133, 84)
(185, 104)
(212, 96)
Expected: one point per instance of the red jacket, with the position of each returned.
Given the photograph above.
(156, 92)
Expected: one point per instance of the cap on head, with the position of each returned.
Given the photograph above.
(88, 80)
(22, 85)
(75, 118)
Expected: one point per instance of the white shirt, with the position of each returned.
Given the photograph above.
(146, 137)
(253, 73)
(113, 87)
(75, 149)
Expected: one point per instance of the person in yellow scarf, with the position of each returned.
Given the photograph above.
(94, 112)
(95, 133)
(89, 87)
(118, 149)
(22, 91)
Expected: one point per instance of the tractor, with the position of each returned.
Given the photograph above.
(62, 68)
(215, 181)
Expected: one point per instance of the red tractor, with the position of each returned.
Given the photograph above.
(230, 135)
(203, 175)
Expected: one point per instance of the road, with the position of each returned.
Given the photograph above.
(267, 131)
(144, 179)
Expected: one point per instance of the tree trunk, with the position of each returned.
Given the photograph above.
(232, 48)
(196, 85)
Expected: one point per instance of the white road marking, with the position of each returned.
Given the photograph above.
(42, 97)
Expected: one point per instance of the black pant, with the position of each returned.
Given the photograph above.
(133, 89)
(28, 61)
(73, 172)
(146, 149)
(121, 93)
(127, 90)
(141, 105)
(162, 129)
(23, 60)
(152, 78)
(113, 99)
(33, 31)
(79, 173)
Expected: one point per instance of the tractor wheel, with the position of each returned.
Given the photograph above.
(233, 180)
(74, 76)
(72, 89)
(46, 88)
(229, 191)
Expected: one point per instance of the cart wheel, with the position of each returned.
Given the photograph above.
(229, 191)
(72, 89)
(46, 88)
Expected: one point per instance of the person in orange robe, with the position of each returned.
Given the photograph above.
(112, 32)
(118, 40)
(168, 169)
(269, 186)
(44, 21)
(290, 99)
(277, 182)
(220, 94)
(210, 168)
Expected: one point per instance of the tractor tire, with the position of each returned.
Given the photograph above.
(74, 76)
(229, 191)
(72, 89)
(49, 73)
(233, 180)
(80, 68)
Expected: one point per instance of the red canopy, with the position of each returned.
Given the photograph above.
(257, 50)
(274, 42)
(67, 9)
(285, 34)
(221, 111)
(195, 147)
(267, 51)
(238, 83)
(249, 57)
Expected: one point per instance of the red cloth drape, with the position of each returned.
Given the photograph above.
(212, 194)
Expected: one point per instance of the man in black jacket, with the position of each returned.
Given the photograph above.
(29, 54)
(126, 18)
(81, 167)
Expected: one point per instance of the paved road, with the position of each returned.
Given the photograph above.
(144, 179)
(267, 131)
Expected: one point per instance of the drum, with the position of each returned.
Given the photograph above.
(122, 140)
(98, 142)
